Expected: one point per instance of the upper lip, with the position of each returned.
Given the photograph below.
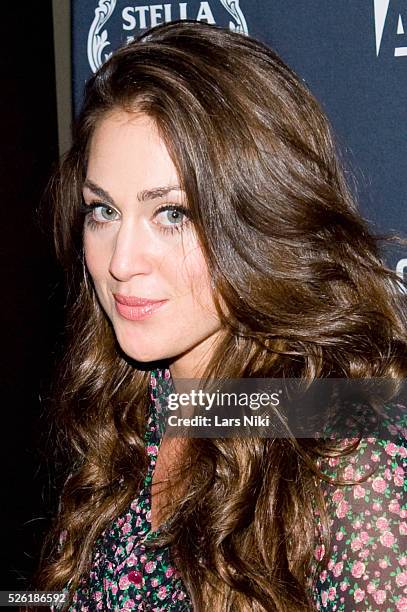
(133, 300)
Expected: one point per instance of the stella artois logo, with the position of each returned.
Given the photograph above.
(132, 19)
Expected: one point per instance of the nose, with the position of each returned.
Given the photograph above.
(131, 252)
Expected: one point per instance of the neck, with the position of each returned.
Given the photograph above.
(193, 363)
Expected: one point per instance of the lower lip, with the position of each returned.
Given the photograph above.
(137, 313)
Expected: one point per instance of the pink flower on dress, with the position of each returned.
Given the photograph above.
(129, 604)
(342, 509)
(387, 539)
(131, 560)
(391, 449)
(371, 587)
(394, 506)
(401, 605)
(364, 536)
(359, 595)
(379, 484)
(150, 566)
(398, 480)
(358, 569)
(154, 582)
(403, 528)
(402, 450)
(337, 495)
(358, 492)
(382, 523)
(401, 579)
(324, 598)
(337, 570)
(124, 582)
(349, 473)
(339, 535)
(169, 572)
(344, 586)
(152, 449)
(162, 592)
(356, 544)
(380, 596)
(387, 474)
(332, 593)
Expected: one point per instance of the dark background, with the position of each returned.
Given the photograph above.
(31, 285)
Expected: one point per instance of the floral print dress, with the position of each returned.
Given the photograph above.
(367, 566)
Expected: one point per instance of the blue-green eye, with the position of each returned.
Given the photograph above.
(97, 214)
(103, 214)
(172, 217)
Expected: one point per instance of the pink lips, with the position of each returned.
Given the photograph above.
(135, 308)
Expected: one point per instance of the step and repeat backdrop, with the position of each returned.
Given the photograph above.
(351, 54)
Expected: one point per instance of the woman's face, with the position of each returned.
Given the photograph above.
(139, 243)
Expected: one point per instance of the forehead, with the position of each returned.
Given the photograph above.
(127, 154)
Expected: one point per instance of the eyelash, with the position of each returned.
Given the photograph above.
(87, 209)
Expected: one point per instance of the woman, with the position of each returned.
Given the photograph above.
(206, 229)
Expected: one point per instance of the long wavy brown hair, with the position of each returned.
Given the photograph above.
(300, 288)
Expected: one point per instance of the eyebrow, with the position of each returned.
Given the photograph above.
(142, 196)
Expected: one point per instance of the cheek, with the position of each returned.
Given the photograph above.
(96, 255)
(196, 277)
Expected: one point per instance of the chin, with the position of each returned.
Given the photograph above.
(141, 356)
